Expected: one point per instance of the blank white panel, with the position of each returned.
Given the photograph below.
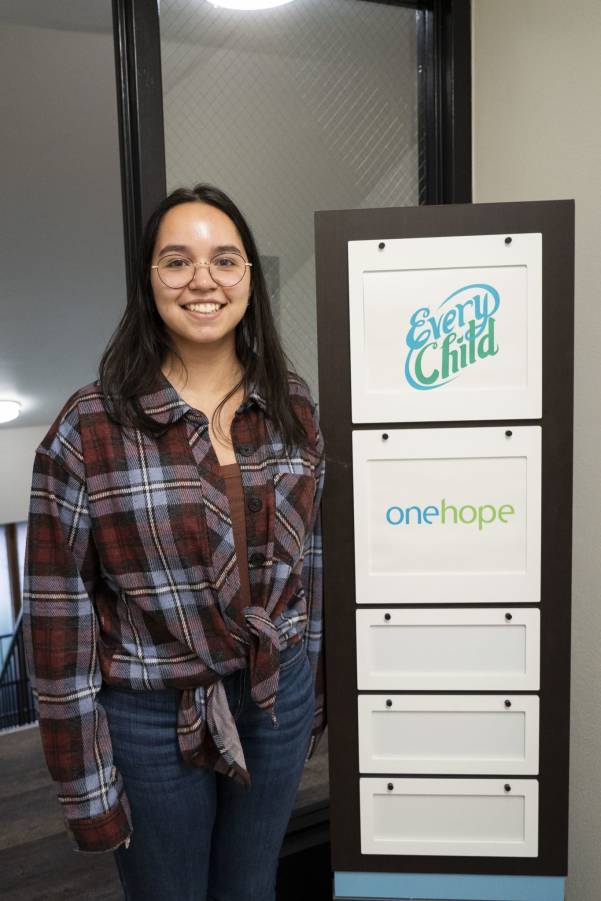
(447, 515)
(448, 649)
(448, 734)
(466, 817)
(446, 328)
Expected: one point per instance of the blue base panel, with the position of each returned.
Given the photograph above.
(439, 887)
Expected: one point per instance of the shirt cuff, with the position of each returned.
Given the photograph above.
(105, 832)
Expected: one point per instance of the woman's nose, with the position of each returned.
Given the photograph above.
(202, 277)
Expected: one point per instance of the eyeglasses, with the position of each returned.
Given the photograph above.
(226, 269)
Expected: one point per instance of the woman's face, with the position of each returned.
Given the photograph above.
(197, 232)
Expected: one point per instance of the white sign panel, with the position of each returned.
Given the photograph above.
(448, 649)
(462, 817)
(446, 329)
(447, 515)
(449, 734)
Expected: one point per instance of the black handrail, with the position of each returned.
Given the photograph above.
(17, 706)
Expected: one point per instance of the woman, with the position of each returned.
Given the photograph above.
(172, 610)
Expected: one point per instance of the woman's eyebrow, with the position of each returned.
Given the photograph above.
(174, 248)
(227, 248)
(182, 248)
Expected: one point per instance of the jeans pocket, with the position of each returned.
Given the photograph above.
(292, 657)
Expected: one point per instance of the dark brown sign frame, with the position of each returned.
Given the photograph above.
(333, 230)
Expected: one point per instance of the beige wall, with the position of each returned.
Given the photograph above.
(17, 450)
(537, 135)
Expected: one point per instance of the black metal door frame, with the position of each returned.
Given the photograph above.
(444, 102)
(137, 39)
(444, 86)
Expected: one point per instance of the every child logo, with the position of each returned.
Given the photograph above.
(458, 334)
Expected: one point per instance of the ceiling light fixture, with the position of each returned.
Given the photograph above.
(9, 409)
(249, 4)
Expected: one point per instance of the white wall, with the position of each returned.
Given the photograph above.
(17, 450)
(537, 135)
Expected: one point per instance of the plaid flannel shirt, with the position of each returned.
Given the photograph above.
(131, 577)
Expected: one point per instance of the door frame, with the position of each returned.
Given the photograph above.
(445, 159)
(444, 102)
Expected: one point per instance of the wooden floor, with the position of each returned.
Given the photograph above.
(37, 860)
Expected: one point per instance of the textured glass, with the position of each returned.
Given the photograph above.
(310, 106)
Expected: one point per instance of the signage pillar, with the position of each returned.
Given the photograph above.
(446, 400)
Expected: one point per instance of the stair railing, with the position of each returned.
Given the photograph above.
(17, 706)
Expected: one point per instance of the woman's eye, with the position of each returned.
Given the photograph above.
(225, 262)
(176, 263)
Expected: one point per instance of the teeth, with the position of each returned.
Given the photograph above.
(203, 307)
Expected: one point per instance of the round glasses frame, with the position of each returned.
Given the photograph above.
(208, 264)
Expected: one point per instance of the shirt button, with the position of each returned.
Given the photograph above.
(257, 559)
(254, 504)
(247, 450)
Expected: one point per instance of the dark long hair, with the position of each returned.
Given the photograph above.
(137, 349)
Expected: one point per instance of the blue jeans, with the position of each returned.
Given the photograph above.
(198, 835)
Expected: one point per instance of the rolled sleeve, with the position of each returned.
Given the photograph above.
(60, 629)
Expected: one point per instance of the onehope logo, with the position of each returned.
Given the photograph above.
(450, 514)
(458, 334)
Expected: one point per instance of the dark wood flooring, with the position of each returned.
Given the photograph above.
(38, 863)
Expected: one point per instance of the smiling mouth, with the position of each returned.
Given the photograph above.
(203, 307)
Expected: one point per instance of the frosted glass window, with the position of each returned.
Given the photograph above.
(309, 106)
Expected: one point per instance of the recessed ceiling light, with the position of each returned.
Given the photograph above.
(249, 4)
(9, 409)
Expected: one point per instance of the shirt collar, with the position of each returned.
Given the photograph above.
(163, 404)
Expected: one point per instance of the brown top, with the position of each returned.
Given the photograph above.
(235, 496)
